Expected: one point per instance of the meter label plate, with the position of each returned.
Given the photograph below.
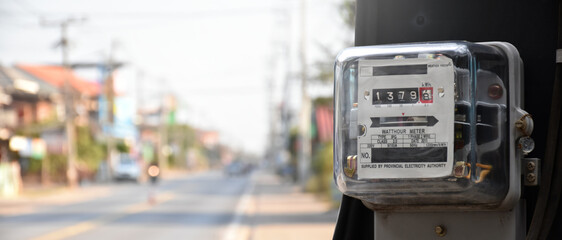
(406, 108)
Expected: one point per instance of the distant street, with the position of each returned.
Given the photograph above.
(201, 206)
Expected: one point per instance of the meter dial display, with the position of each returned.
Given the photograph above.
(407, 106)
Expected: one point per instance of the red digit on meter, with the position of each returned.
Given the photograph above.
(426, 94)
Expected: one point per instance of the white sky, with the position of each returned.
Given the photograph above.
(215, 56)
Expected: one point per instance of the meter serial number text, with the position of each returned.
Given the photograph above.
(402, 140)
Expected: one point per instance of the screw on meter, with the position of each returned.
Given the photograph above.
(409, 124)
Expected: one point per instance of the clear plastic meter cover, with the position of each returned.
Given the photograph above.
(422, 124)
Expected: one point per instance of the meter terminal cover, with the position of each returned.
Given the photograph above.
(428, 125)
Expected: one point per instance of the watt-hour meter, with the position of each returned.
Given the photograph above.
(430, 124)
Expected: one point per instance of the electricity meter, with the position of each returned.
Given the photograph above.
(430, 125)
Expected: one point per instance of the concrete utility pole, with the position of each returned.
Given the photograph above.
(110, 99)
(279, 72)
(163, 140)
(305, 151)
(167, 106)
(68, 93)
(108, 91)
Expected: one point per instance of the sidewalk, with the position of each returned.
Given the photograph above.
(278, 210)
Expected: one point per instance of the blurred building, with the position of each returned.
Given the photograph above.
(32, 111)
(323, 123)
(209, 139)
(85, 93)
(25, 99)
(85, 98)
(26, 103)
(211, 146)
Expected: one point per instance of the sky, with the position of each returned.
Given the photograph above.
(226, 61)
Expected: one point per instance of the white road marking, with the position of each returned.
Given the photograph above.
(235, 230)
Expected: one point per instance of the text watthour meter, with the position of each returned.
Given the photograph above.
(431, 125)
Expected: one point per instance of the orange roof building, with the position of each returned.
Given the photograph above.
(56, 75)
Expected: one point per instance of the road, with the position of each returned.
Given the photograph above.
(200, 206)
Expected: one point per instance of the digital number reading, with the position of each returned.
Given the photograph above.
(403, 95)
(426, 94)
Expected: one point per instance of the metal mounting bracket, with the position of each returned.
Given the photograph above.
(531, 171)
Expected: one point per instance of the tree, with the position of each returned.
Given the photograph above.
(325, 69)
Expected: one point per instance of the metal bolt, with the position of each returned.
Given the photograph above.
(459, 169)
(440, 230)
(441, 91)
(531, 166)
(531, 177)
(526, 144)
(520, 124)
(495, 91)
(362, 130)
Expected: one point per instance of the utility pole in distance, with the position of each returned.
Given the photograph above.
(304, 129)
(70, 128)
(110, 99)
(108, 68)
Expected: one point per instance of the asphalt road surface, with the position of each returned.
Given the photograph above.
(200, 206)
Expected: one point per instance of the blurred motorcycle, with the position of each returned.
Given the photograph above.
(153, 172)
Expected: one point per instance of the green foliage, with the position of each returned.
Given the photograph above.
(293, 143)
(321, 181)
(323, 101)
(122, 147)
(172, 161)
(347, 13)
(90, 152)
(34, 130)
(34, 166)
(202, 162)
(57, 166)
(325, 69)
(181, 137)
(293, 148)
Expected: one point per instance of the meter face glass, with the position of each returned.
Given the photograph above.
(428, 124)
(406, 108)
